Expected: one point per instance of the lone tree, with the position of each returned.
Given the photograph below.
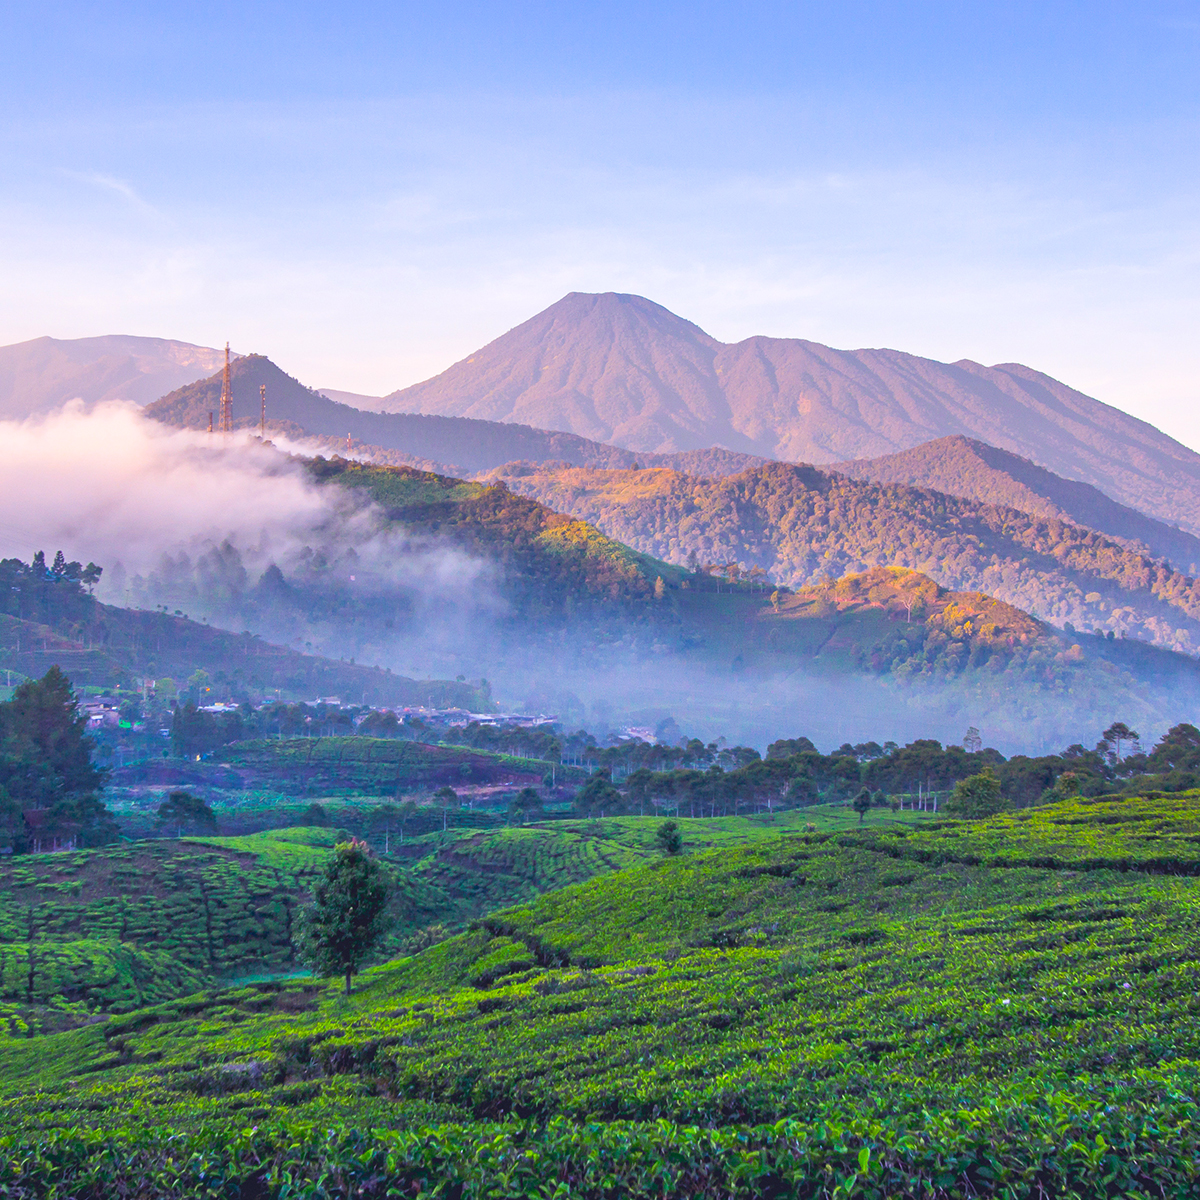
(862, 804)
(668, 837)
(524, 803)
(977, 797)
(348, 916)
(1117, 733)
(183, 809)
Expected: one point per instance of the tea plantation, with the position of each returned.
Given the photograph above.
(953, 1010)
(113, 929)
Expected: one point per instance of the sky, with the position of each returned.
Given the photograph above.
(369, 192)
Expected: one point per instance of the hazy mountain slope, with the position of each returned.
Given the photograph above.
(118, 644)
(451, 445)
(620, 368)
(38, 376)
(803, 525)
(965, 467)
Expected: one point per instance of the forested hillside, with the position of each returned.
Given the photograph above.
(48, 617)
(800, 525)
(962, 466)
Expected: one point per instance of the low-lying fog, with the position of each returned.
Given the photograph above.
(235, 533)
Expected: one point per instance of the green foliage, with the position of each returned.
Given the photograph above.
(183, 809)
(48, 783)
(348, 916)
(862, 803)
(869, 1014)
(977, 797)
(668, 837)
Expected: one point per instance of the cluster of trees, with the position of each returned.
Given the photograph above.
(795, 774)
(49, 786)
(801, 525)
(53, 595)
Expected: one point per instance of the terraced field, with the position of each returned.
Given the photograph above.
(116, 928)
(947, 1011)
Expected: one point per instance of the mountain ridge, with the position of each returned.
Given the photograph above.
(620, 368)
(961, 466)
(40, 375)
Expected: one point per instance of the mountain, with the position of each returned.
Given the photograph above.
(40, 375)
(963, 466)
(447, 445)
(620, 368)
(803, 525)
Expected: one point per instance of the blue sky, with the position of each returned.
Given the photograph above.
(369, 192)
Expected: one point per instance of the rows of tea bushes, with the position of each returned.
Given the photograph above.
(372, 766)
(116, 928)
(811, 1014)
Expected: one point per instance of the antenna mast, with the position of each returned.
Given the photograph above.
(226, 424)
(262, 421)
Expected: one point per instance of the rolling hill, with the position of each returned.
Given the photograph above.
(45, 622)
(41, 375)
(963, 466)
(621, 369)
(801, 524)
(952, 1009)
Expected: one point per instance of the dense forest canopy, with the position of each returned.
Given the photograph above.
(802, 525)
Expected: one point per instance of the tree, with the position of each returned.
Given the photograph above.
(668, 837)
(660, 588)
(972, 741)
(526, 801)
(977, 797)
(598, 796)
(348, 916)
(46, 765)
(446, 798)
(862, 804)
(314, 814)
(1117, 733)
(182, 808)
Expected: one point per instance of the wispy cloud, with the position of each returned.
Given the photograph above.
(110, 183)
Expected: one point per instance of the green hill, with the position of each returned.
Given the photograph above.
(961, 1010)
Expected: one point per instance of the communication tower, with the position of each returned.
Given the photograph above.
(262, 420)
(226, 424)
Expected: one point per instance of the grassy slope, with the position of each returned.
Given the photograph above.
(889, 985)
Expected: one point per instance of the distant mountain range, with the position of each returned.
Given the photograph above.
(621, 369)
(41, 375)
